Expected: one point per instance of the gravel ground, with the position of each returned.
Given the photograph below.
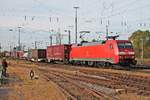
(19, 86)
(23, 88)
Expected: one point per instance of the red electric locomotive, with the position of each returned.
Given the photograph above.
(106, 52)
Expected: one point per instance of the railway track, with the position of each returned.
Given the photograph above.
(69, 95)
(140, 85)
(112, 80)
(136, 84)
(137, 68)
(63, 80)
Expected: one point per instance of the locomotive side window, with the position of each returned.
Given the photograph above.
(111, 46)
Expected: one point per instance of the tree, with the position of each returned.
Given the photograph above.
(136, 39)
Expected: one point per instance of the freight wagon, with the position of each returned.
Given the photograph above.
(37, 55)
(20, 54)
(13, 54)
(5, 54)
(2, 54)
(17, 54)
(58, 53)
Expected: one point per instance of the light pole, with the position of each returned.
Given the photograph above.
(106, 32)
(19, 44)
(69, 36)
(0, 47)
(142, 49)
(35, 44)
(76, 23)
(51, 40)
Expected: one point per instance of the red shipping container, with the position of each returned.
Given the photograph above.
(58, 53)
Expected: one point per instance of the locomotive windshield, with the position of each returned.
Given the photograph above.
(123, 45)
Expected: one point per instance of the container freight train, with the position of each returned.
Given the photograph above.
(109, 52)
(115, 52)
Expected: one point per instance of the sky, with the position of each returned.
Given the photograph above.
(38, 17)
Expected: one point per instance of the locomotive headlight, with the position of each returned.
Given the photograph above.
(121, 57)
(122, 53)
(131, 53)
(132, 56)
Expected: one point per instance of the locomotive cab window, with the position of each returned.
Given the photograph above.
(120, 45)
(123, 45)
(128, 45)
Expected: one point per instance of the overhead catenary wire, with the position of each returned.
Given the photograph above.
(125, 11)
(128, 9)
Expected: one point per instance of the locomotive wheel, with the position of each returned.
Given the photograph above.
(103, 64)
(72, 63)
(106, 64)
(83, 63)
(99, 64)
(76, 63)
(86, 63)
(96, 64)
(91, 63)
